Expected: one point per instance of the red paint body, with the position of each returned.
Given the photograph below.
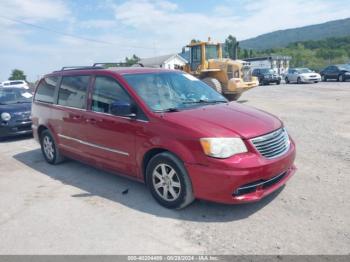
(177, 132)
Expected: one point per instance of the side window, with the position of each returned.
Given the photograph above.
(46, 89)
(72, 91)
(106, 92)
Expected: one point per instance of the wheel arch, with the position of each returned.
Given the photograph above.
(41, 128)
(150, 154)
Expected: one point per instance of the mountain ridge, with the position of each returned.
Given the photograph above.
(281, 38)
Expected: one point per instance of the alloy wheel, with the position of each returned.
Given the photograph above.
(48, 147)
(166, 182)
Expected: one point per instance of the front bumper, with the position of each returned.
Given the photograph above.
(15, 129)
(311, 80)
(221, 183)
(271, 80)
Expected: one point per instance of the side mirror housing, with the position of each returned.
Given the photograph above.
(123, 108)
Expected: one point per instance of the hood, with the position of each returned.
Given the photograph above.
(23, 107)
(310, 75)
(224, 120)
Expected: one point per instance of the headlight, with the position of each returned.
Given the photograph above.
(222, 147)
(5, 116)
(347, 73)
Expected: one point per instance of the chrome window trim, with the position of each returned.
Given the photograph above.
(124, 117)
(94, 145)
(69, 107)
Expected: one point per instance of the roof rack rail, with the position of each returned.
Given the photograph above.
(80, 67)
(116, 64)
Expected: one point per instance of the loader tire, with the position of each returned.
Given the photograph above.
(213, 83)
(232, 97)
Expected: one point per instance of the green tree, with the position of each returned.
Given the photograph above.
(231, 44)
(132, 60)
(17, 74)
(245, 53)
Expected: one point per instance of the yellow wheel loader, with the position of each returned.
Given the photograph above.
(229, 77)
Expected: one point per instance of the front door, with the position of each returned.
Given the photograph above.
(111, 137)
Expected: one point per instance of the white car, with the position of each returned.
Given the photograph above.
(15, 83)
(302, 75)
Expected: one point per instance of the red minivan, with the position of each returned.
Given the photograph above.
(165, 128)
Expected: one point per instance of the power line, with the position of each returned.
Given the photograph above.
(76, 36)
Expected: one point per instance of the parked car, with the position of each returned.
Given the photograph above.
(266, 76)
(336, 72)
(302, 75)
(15, 110)
(164, 128)
(15, 83)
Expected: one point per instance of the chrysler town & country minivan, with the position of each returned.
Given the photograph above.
(165, 128)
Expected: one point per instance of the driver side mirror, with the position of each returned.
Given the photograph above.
(123, 108)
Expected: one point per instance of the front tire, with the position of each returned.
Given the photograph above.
(287, 80)
(168, 181)
(341, 78)
(50, 149)
(324, 78)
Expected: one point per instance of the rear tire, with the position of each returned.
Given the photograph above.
(287, 80)
(278, 82)
(213, 83)
(323, 78)
(50, 149)
(299, 80)
(168, 181)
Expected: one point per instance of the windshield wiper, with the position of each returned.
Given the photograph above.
(202, 101)
(170, 109)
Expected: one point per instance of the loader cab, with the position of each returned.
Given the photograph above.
(200, 52)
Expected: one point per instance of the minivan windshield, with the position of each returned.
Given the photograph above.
(172, 91)
(14, 96)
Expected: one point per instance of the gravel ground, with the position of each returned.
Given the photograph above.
(76, 209)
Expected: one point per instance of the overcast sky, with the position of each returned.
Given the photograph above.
(109, 30)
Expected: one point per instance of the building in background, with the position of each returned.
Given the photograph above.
(280, 64)
(172, 61)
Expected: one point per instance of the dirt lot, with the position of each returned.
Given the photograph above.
(76, 209)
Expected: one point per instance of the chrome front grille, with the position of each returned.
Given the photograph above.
(272, 145)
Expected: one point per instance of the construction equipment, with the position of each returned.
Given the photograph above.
(229, 77)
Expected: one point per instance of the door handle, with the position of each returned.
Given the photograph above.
(91, 121)
(76, 117)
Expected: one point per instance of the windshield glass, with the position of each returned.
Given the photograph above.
(176, 91)
(211, 52)
(344, 67)
(267, 71)
(14, 96)
(303, 70)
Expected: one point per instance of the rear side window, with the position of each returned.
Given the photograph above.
(46, 89)
(106, 91)
(73, 90)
